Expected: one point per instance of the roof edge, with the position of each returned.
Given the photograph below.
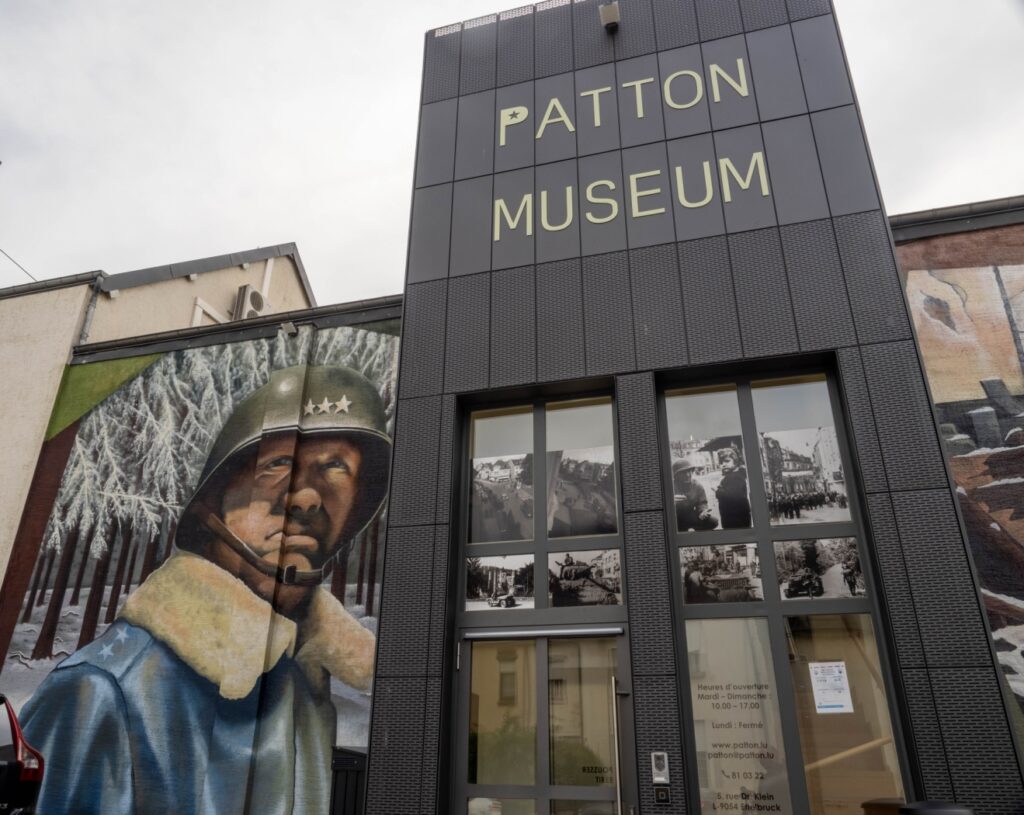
(960, 218)
(53, 284)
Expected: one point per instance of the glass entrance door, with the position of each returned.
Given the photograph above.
(543, 723)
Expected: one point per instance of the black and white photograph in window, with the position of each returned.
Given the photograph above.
(501, 503)
(585, 578)
(583, 492)
(827, 567)
(727, 573)
(499, 582)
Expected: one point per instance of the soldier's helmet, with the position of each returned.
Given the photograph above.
(682, 464)
(311, 401)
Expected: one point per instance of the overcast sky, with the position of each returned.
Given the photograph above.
(135, 134)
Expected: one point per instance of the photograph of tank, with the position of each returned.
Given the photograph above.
(501, 506)
(826, 567)
(585, 578)
(803, 474)
(729, 573)
(500, 581)
(582, 492)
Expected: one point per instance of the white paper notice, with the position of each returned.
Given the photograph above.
(831, 687)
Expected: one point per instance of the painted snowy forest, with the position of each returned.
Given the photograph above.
(134, 463)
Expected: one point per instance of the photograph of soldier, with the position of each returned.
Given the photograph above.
(501, 503)
(582, 495)
(827, 567)
(585, 578)
(729, 573)
(499, 582)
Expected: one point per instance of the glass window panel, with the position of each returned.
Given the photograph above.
(580, 700)
(583, 808)
(501, 806)
(585, 578)
(501, 495)
(728, 573)
(709, 474)
(738, 732)
(580, 469)
(826, 567)
(803, 470)
(501, 581)
(845, 732)
(503, 713)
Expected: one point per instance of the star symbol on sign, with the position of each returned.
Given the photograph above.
(325, 406)
(107, 651)
(514, 114)
(343, 405)
(122, 635)
(310, 408)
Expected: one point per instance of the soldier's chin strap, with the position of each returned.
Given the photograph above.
(288, 576)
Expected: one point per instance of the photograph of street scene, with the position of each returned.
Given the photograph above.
(729, 573)
(501, 504)
(803, 476)
(582, 492)
(829, 567)
(585, 578)
(502, 581)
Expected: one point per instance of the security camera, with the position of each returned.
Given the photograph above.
(609, 16)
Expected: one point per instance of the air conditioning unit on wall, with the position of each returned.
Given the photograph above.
(250, 303)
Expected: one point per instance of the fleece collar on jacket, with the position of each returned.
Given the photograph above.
(225, 633)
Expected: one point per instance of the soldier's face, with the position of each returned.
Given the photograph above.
(292, 508)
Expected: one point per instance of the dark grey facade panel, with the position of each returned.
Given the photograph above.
(513, 246)
(862, 420)
(402, 646)
(438, 626)
(558, 139)
(474, 142)
(826, 81)
(709, 302)
(793, 170)
(552, 37)
(592, 45)
(422, 358)
(560, 345)
(413, 498)
(845, 166)
(817, 286)
(447, 441)
(718, 18)
(428, 239)
(879, 311)
(648, 196)
(675, 23)
(801, 9)
(763, 13)
(599, 231)
(607, 314)
(398, 718)
(513, 327)
(903, 416)
(776, 73)
(697, 201)
(597, 111)
(432, 747)
(647, 591)
(636, 34)
(477, 68)
(467, 354)
(658, 728)
(515, 48)
(640, 101)
(658, 329)
(729, 107)
(441, 65)
(927, 736)
(639, 464)
(518, 129)
(435, 151)
(471, 226)
(685, 104)
(558, 212)
(762, 294)
(748, 208)
(952, 629)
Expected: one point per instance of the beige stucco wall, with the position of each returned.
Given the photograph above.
(170, 304)
(38, 332)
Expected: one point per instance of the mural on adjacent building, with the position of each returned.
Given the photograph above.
(197, 631)
(970, 326)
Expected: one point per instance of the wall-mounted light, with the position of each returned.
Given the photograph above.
(609, 16)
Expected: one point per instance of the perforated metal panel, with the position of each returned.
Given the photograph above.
(658, 726)
(607, 314)
(467, 355)
(675, 23)
(515, 49)
(441, 66)
(592, 45)
(395, 774)
(422, 355)
(433, 747)
(931, 751)
(479, 54)
(413, 498)
(446, 461)
(636, 35)
(552, 35)
(799, 9)
(560, 349)
(438, 589)
(639, 464)
(658, 326)
(762, 294)
(718, 18)
(763, 13)
(862, 418)
(402, 646)
(709, 303)
(513, 327)
(647, 586)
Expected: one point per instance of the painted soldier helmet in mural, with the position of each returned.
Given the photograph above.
(310, 401)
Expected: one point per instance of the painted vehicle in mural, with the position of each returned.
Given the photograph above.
(21, 766)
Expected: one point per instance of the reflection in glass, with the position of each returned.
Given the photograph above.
(501, 806)
(503, 713)
(502, 581)
(803, 469)
(580, 699)
(728, 573)
(585, 578)
(709, 476)
(580, 469)
(845, 732)
(583, 808)
(501, 497)
(738, 731)
(829, 567)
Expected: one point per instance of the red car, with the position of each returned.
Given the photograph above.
(21, 766)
